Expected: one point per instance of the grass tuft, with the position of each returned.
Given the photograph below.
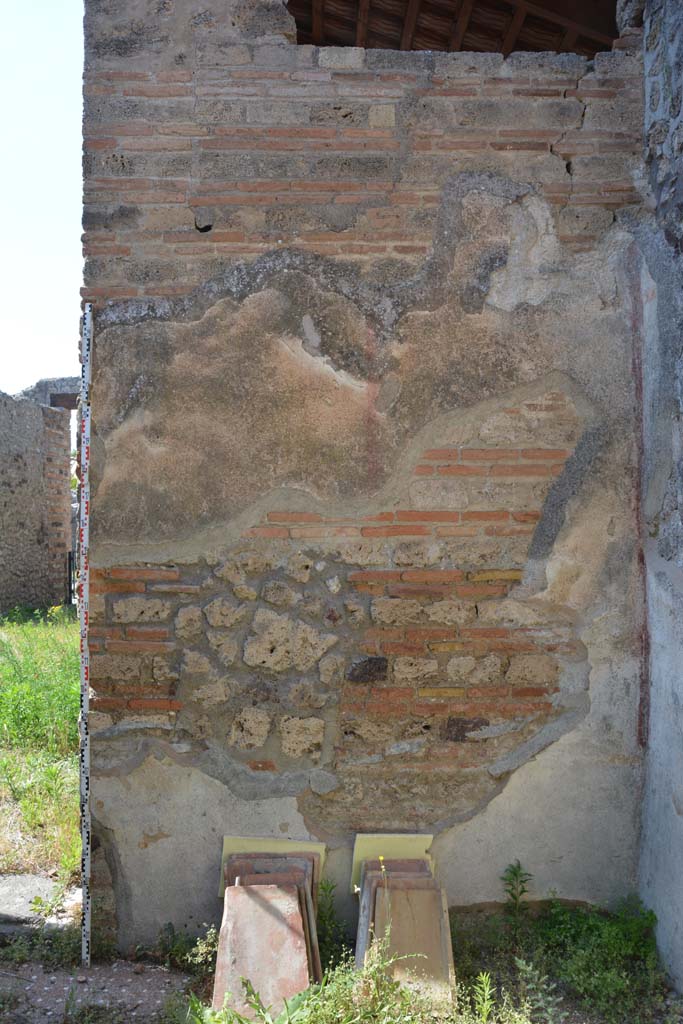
(39, 703)
(39, 684)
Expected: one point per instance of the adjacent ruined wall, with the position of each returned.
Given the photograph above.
(52, 390)
(661, 244)
(35, 504)
(364, 536)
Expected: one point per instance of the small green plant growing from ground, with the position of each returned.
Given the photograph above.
(332, 940)
(609, 961)
(482, 997)
(39, 703)
(201, 959)
(540, 994)
(515, 886)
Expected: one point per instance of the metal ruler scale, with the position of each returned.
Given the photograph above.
(83, 607)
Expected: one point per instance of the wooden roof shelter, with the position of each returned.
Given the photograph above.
(494, 26)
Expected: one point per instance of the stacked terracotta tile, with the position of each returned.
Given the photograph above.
(268, 932)
(403, 905)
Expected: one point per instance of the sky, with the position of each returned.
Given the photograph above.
(41, 58)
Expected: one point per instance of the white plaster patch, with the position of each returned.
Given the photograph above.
(181, 871)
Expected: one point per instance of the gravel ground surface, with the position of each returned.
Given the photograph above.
(122, 992)
(31, 994)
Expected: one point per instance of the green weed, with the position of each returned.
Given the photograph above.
(332, 938)
(515, 887)
(39, 700)
(606, 961)
(482, 997)
(54, 947)
(609, 961)
(39, 827)
(540, 994)
(368, 996)
(39, 683)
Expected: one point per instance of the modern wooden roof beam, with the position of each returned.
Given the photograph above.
(460, 27)
(497, 25)
(409, 24)
(567, 23)
(317, 30)
(568, 39)
(513, 30)
(362, 23)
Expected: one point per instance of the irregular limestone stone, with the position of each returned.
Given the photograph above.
(189, 623)
(163, 670)
(224, 645)
(250, 562)
(364, 553)
(141, 609)
(123, 667)
(304, 694)
(280, 643)
(418, 553)
(395, 611)
(370, 732)
(516, 613)
(197, 664)
(459, 668)
(302, 736)
(97, 608)
(355, 611)
(278, 593)
(244, 592)
(313, 607)
(413, 670)
(451, 613)
(217, 692)
(250, 729)
(322, 782)
(488, 671)
(299, 568)
(222, 613)
(331, 669)
(532, 670)
(98, 721)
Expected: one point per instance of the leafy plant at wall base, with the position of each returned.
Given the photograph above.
(482, 997)
(514, 880)
(331, 932)
(201, 958)
(540, 994)
(609, 961)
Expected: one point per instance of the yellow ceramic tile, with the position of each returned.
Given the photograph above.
(259, 844)
(391, 846)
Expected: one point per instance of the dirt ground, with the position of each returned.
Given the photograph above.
(31, 994)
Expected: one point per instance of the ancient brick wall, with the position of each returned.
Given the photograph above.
(35, 504)
(365, 454)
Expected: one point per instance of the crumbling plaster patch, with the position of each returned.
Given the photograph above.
(383, 370)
